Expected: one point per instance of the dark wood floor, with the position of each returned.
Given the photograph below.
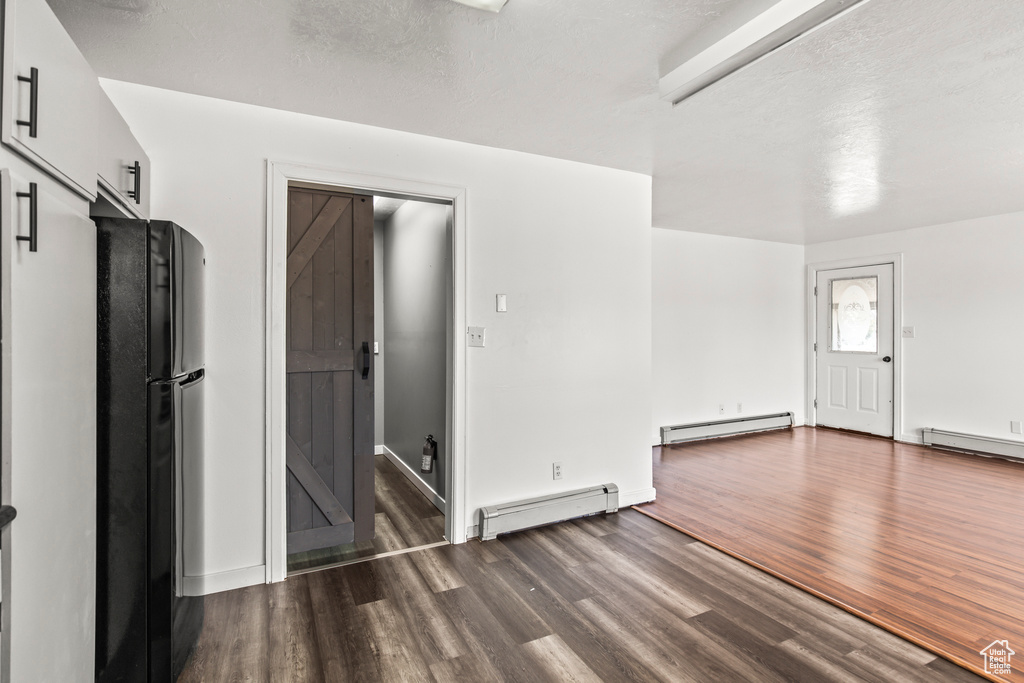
(927, 543)
(614, 598)
(404, 519)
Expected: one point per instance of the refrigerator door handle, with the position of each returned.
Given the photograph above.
(366, 359)
(194, 377)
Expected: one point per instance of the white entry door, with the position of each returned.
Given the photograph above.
(854, 349)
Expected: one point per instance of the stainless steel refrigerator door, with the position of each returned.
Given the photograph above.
(175, 444)
(177, 264)
(187, 612)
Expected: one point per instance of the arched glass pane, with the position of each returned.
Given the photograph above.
(854, 315)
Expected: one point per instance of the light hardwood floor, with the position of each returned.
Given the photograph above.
(404, 519)
(926, 543)
(614, 598)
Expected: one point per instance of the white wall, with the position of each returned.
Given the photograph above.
(566, 373)
(728, 328)
(416, 260)
(963, 284)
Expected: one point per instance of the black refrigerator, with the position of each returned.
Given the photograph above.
(150, 374)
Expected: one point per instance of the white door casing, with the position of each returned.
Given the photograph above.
(279, 175)
(855, 348)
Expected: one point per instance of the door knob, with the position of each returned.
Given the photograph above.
(887, 359)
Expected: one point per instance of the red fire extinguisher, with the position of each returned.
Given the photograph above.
(429, 454)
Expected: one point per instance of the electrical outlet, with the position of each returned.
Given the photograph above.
(721, 409)
(739, 407)
(556, 470)
(1015, 426)
(477, 336)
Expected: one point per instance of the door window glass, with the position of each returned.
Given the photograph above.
(854, 315)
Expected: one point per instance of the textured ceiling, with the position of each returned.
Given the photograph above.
(903, 113)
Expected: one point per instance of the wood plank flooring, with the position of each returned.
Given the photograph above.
(404, 519)
(614, 598)
(926, 543)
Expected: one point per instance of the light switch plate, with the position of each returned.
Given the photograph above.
(501, 303)
(376, 348)
(477, 336)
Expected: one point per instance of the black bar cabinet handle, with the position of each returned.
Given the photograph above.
(366, 359)
(33, 103)
(136, 171)
(33, 218)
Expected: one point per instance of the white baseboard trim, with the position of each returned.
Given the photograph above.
(224, 581)
(378, 449)
(414, 477)
(636, 497)
(911, 438)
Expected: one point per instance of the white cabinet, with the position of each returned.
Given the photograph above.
(122, 164)
(49, 420)
(49, 96)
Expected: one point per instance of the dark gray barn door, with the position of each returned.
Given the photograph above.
(330, 376)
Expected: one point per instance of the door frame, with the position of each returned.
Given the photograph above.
(896, 260)
(279, 175)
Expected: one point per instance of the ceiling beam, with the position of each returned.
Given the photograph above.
(749, 42)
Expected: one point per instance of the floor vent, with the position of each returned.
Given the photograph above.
(525, 514)
(711, 430)
(1003, 448)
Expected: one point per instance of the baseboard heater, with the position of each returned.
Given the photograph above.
(1003, 448)
(533, 512)
(711, 430)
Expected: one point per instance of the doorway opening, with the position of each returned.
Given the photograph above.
(420, 229)
(412, 307)
(854, 351)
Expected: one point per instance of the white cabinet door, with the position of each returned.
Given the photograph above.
(51, 339)
(122, 164)
(49, 96)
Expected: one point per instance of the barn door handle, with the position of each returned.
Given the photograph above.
(887, 359)
(136, 193)
(33, 103)
(33, 218)
(366, 359)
